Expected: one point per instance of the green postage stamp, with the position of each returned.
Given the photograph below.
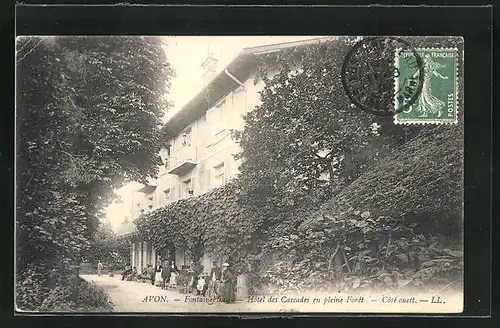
(437, 102)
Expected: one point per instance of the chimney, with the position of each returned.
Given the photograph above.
(209, 67)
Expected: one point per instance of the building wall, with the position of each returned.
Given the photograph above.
(142, 254)
(210, 145)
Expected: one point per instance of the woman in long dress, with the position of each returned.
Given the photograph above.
(174, 273)
(158, 279)
(427, 102)
(214, 282)
(226, 290)
(165, 274)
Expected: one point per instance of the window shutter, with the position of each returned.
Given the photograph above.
(179, 188)
(192, 186)
(209, 180)
(201, 183)
(227, 166)
(172, 194)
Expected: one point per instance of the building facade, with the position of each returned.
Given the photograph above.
(199, 152)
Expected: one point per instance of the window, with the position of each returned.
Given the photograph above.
(165, 152)
(167, 195)
(186, 137)
(203, 132)
(219, 175)
(219, 117)
(151, 201)
(172, 192)
(202, 180)
(187, 188)
(209, 180)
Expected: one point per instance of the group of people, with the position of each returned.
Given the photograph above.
(129, 273)
(218, 284)
(166, 274)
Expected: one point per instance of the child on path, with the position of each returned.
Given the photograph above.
(200, 285)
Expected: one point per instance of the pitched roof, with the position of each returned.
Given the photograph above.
(241, 67)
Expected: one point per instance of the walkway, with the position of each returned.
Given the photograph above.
(133, 296)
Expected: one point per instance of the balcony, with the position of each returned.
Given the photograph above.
(184, 161)
(148, 188)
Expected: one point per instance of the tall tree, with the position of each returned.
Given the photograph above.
(105, 246)
(89, 112)
(307, 140)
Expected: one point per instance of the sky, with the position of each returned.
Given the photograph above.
(186, 54)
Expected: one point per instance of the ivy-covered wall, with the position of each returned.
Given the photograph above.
(347, 241)
(217, 222)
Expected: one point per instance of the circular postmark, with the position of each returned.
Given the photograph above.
(383, 75)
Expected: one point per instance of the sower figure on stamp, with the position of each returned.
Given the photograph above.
(427, 102)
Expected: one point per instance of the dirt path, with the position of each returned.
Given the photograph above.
(133, 296)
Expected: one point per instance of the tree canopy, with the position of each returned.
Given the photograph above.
(107, 247)
(89, 111)
(307, 139)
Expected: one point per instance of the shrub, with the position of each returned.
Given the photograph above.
(383, 230)
(76, 295)
(30, 292)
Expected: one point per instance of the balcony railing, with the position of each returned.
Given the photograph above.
(183, 161)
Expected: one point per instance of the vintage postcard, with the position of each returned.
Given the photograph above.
(239, 174)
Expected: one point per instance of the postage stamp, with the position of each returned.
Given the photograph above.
(437, 100)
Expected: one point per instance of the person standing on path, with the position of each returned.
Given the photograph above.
(150, 271)
(215, 275)
(165, 274)
(126, 272)
(133, 275)
(197, 269)
(227, 285)
(99, 268)
(158, 269)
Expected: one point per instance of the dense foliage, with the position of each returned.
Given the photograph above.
(107, 247)
(73, 294)
(216, 222)
(337, 196)
(89, 111)
(411, 237)
(306, 139)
